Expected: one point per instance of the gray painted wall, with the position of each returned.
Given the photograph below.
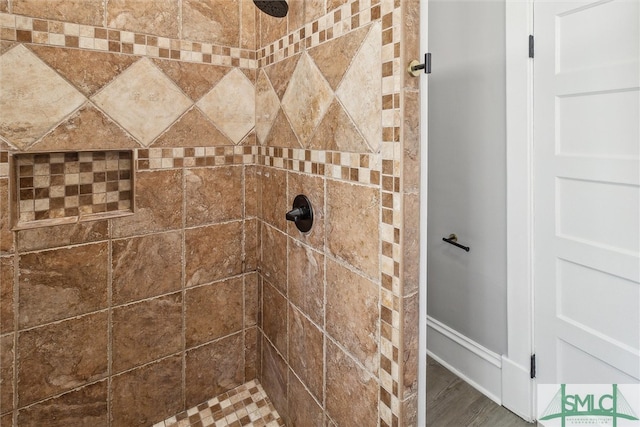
(467, 169)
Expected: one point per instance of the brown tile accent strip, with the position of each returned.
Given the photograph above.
(355, 167)
(246, 405)
(72, 186)
(56, 33)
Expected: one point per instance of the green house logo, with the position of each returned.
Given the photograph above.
(573, 409)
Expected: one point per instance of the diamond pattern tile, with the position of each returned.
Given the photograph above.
(33, 98)
(231, 105)
(307, 98)
(361, 86)
(143, 100)
(267, 106)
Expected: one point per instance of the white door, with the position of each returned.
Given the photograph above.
(586, 191)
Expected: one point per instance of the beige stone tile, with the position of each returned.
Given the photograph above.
(148, 394)
(411, 37)
(295, 16)
(61, 356)
(251, 353)
(214, 369)
(159, 17)
(248, 27)
(273, 190)
(193, 129)
(213, 252)
(409, 410)
(83, 408)
(251, 244)
(274, 377)
(6, 372)
(6, 236)
(267, 106)
(281, 134)
(334, 57)
(158, 204)
(306, 352)
(334, 4)
(90, 12)
(411, 243)
(214, 21)
(139, 93)
(352, 225)
(146, 331)
(86, 129)
(274, 317)
(307, 98)
(271, 29)
(313, 9)
(146, 266)
(4, 6)
(313, 188)
(231, 105)
(360, 94)
(411, 142)
(251, 191)
(29, 88)
(213, 311)
(274, 257)
(251, 299)
(303, 410)
(410, 348)
(353, 313)
(352, 393)
(88, 71)
(306, 280)
(213, 195)
(280, 73)
(62, 235)
(6, 294)
(194, 79)
(337, 132)
(61, 283)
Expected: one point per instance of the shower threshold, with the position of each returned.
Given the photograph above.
(245, 405)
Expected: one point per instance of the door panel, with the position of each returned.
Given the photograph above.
(587, 191)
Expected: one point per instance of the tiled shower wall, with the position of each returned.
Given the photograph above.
(339, 305)
(212, 264)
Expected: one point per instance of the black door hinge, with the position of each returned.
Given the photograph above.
(530, 46)
(533, 366)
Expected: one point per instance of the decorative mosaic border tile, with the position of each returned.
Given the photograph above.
(350, 16)
(353, 167)
(246, 405)
(72, 186)
(63, 34)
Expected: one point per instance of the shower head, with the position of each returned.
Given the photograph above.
(275, 8)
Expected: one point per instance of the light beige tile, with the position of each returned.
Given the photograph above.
(159, 17)
(143, 100)
(267, 106)
(360, 94)
(214, 21)
(307, 98)
(231, 105)
(33, 97)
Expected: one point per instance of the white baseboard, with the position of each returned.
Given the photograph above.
(517, 389)
(475, 364)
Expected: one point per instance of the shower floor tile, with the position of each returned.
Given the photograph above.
(246, 405)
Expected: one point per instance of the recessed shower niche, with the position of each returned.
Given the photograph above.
(66, 187)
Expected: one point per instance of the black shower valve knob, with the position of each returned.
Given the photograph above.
(301, 213)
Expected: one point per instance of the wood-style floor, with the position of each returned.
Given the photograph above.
(451, 402)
